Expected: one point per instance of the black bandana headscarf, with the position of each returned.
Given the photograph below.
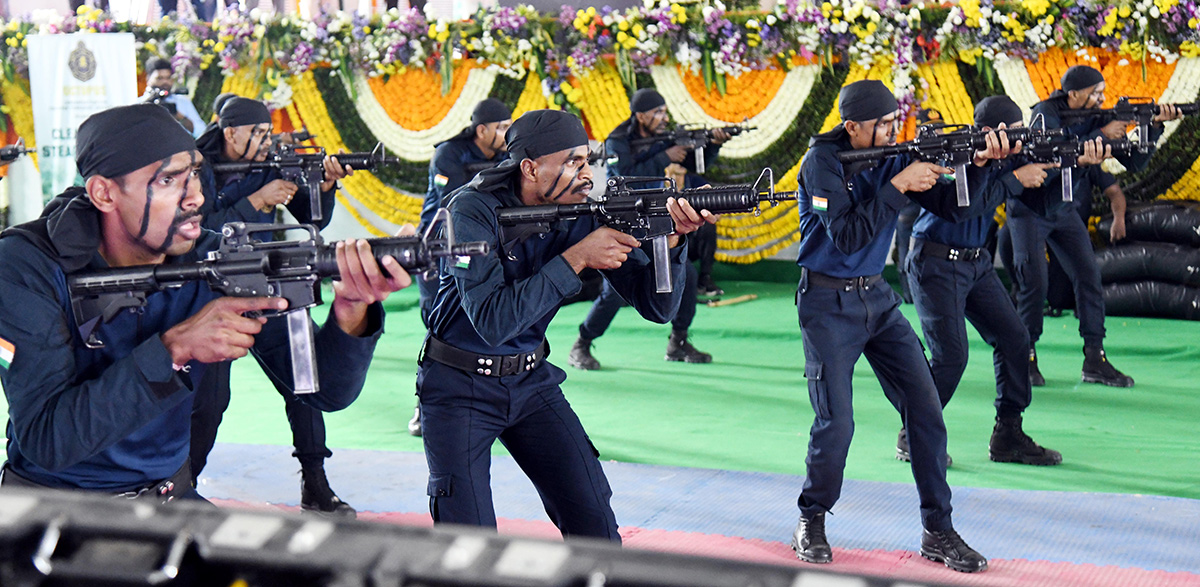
(114, 142)
(994, 110)
(866, 100)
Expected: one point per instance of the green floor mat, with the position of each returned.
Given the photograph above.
(749, 409)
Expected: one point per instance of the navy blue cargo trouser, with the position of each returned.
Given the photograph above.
(462, 416)
(839, 326)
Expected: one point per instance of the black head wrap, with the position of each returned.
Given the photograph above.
(1079, 77)
(119, 140)
(220, 100)
(645, 100)
(488, 111)
(238, 111)
(541, 132)
(994, 110)
(866, 100)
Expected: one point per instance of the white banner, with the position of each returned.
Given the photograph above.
(72, 77)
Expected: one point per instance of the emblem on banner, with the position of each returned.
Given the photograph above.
(82, 63)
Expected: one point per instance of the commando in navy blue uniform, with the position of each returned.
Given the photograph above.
(455, 162)
(1038, 218)
(116, 419)
(953, 280)
(231, 198)
(483, 374)
(846, 310)
(651, 160)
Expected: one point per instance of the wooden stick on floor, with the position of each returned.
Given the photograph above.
(731, 301)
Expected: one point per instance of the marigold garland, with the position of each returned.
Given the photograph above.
(413, 98)
(363, 186)
(243, 82)
(418, 145)
(946, 93)
(745, 96)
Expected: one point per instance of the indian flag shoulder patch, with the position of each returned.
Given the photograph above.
(819, 203)
(6, 353)
(440, 180)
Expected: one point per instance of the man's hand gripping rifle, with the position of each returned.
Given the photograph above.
(642, 212)
(245, 266)
(1053, 145)
(304, 165)
(693, 138)
(952, 145)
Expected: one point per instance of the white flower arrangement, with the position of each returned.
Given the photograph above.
(417, 145)
(771, 123)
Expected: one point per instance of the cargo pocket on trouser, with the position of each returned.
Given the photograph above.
(440, 487)
(818, 393)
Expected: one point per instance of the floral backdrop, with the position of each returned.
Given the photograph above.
(410, 81)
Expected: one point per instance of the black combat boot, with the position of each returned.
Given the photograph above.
(706, 288)
(1035, 376)
(581, 356)
(679, 349)
(948, 547)
(317, 497)
(1010, 444)
(1097, 369)
(902, 450)
(809, 542)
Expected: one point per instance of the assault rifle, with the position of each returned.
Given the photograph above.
(693, 138)
(642, 212)
(1054, 146)
(952, 145)
(304, 166)
(246, 266)
(10, 153)
(1140, 111)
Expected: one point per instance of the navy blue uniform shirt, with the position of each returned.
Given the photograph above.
(847, 223)
(448, 171)
(972, 233)
(1047, 200)
(118, 418)
(647, 161)
(226, 199)
(501, 304)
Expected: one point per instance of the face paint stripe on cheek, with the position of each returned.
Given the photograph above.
(550, 189)
(145, 227)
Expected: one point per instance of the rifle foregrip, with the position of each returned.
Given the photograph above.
(412, 254)
(364, 161)
(721, 202)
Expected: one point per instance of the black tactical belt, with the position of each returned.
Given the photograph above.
(940, 251)
(487, 365)
(842, 283)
